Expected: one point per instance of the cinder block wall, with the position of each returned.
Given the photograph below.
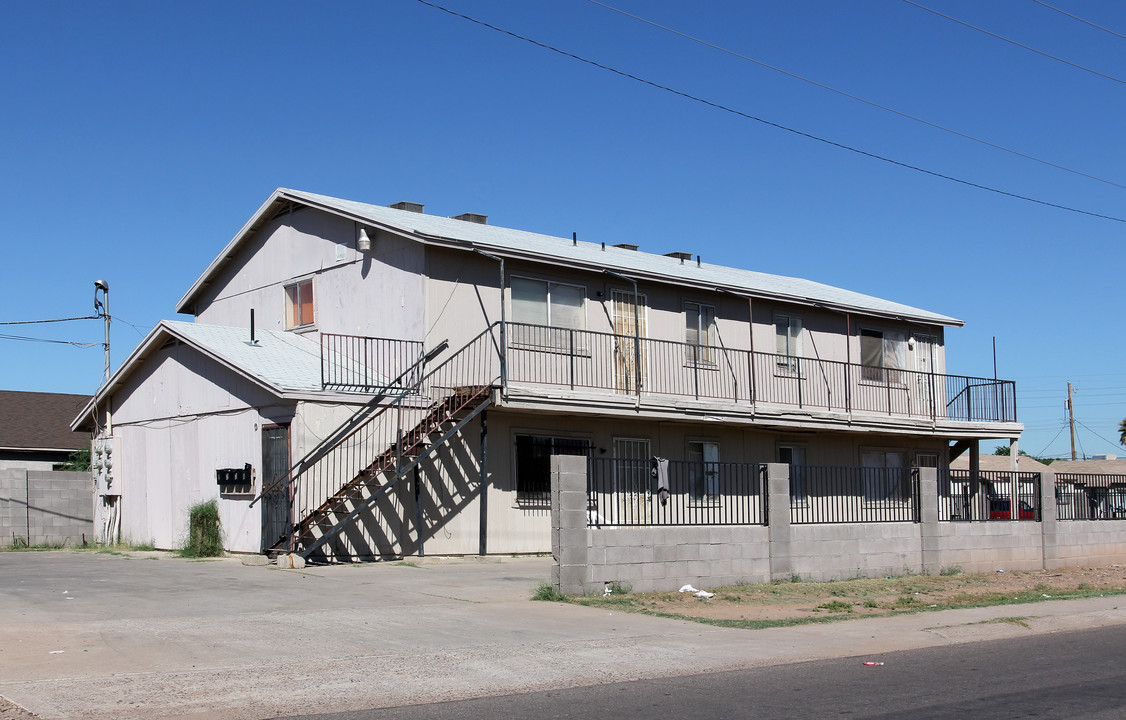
(665, 558)
(46, 507)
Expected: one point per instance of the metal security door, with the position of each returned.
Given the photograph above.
(629, 355)
(277, 506)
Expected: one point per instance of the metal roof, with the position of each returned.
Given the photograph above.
(436, 230)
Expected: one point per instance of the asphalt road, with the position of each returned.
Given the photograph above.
(1061, 675)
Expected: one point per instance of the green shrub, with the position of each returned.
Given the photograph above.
(547, 592)
(205, 536)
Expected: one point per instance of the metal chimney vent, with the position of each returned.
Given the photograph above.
(408, 206)
(473, 218)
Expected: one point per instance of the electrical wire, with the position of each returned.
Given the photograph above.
(823, 86)
(801, 133)
(1100, 437)
(1076, 17)
(55, 320)
(46, 340)
(1041, 453)
(1077, 66)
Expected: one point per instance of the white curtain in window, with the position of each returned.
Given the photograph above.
(895, 351)
(787, 332)
(529, 301)
(567, 306)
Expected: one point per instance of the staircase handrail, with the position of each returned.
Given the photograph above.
(355, 421)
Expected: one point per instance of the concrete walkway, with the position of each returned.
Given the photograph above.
(104, 636)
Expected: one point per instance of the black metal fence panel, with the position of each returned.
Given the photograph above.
(991, 495)
(627, 492)
(820, 494)
(1090, 496)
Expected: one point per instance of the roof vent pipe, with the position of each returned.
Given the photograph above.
(408, 206)
(697, 261)
(603, 246)
(575, 239)
(252, 340)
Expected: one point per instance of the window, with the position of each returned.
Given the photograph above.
(699, 333)
(703, 469)
(533, 462)
(543, 303)
(787, 335)
(885, 475)
(299, 304)
(794, 456)
(883, 356)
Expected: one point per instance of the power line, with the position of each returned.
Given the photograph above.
(739, 113)
(46, 340)
(1076, 17)
(1020, 45)
(849, 95)
(1112, 442)
(37, 322)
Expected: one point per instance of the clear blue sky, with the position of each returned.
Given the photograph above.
(137, 137)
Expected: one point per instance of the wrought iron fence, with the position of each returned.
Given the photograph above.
(583, 359)
(822, 494)
(626, 492)
(367, 364)
(991, 495)
(1090, 496)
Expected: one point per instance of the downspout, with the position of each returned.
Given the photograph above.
(848, 365)
(636, 333)
(503, 325)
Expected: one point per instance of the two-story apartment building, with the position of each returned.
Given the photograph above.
(381, 377)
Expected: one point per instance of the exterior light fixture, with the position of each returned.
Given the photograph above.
(364, 243)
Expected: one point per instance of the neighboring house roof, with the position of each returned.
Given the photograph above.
(1090, 467)
(1000, 463)
(283, 363)
(40, 421)
(434, 230)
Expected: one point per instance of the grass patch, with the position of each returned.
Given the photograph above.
(546, 592)
(407, 563)
(205, 535)
(951, 570)
(836, 606)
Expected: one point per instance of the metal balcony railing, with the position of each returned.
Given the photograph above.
(587, 360)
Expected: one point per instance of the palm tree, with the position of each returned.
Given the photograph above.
(1122, 432)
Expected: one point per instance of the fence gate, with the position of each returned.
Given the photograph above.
(632, 481)
(277, 506)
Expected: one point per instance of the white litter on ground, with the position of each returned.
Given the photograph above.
(688, 588)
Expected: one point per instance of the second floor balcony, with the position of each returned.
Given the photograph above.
(587, 363)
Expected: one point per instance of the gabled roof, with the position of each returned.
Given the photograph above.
(506, 242)
(1092, 467)
(999, 463)
(285, 364)
(40, 421)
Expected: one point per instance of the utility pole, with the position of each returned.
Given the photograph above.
(102, 308)
(1071, 420)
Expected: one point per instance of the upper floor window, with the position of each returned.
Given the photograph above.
(299, 304)
(787, 343)
(551, 304)
(699, 331)
(883, 355)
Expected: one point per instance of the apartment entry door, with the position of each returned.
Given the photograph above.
(924, 379)
(632, 480)
(629, 325)
(277, 504)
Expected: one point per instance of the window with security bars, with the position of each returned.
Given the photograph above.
(533, 462)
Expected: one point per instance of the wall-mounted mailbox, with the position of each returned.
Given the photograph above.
(235, 476)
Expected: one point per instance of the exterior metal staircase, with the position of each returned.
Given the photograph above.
(384, 441)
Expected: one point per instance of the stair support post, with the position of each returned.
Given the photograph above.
(483, 541)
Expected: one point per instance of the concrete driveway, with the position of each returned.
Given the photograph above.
(147, 635)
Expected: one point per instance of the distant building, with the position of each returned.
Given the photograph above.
(35, 429)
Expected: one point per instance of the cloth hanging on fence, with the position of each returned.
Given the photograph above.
(659, 471)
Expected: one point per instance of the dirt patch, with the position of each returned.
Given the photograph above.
(796, 602)
(11, 711)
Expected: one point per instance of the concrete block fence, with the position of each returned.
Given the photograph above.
(46, 507)
(654, 559)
